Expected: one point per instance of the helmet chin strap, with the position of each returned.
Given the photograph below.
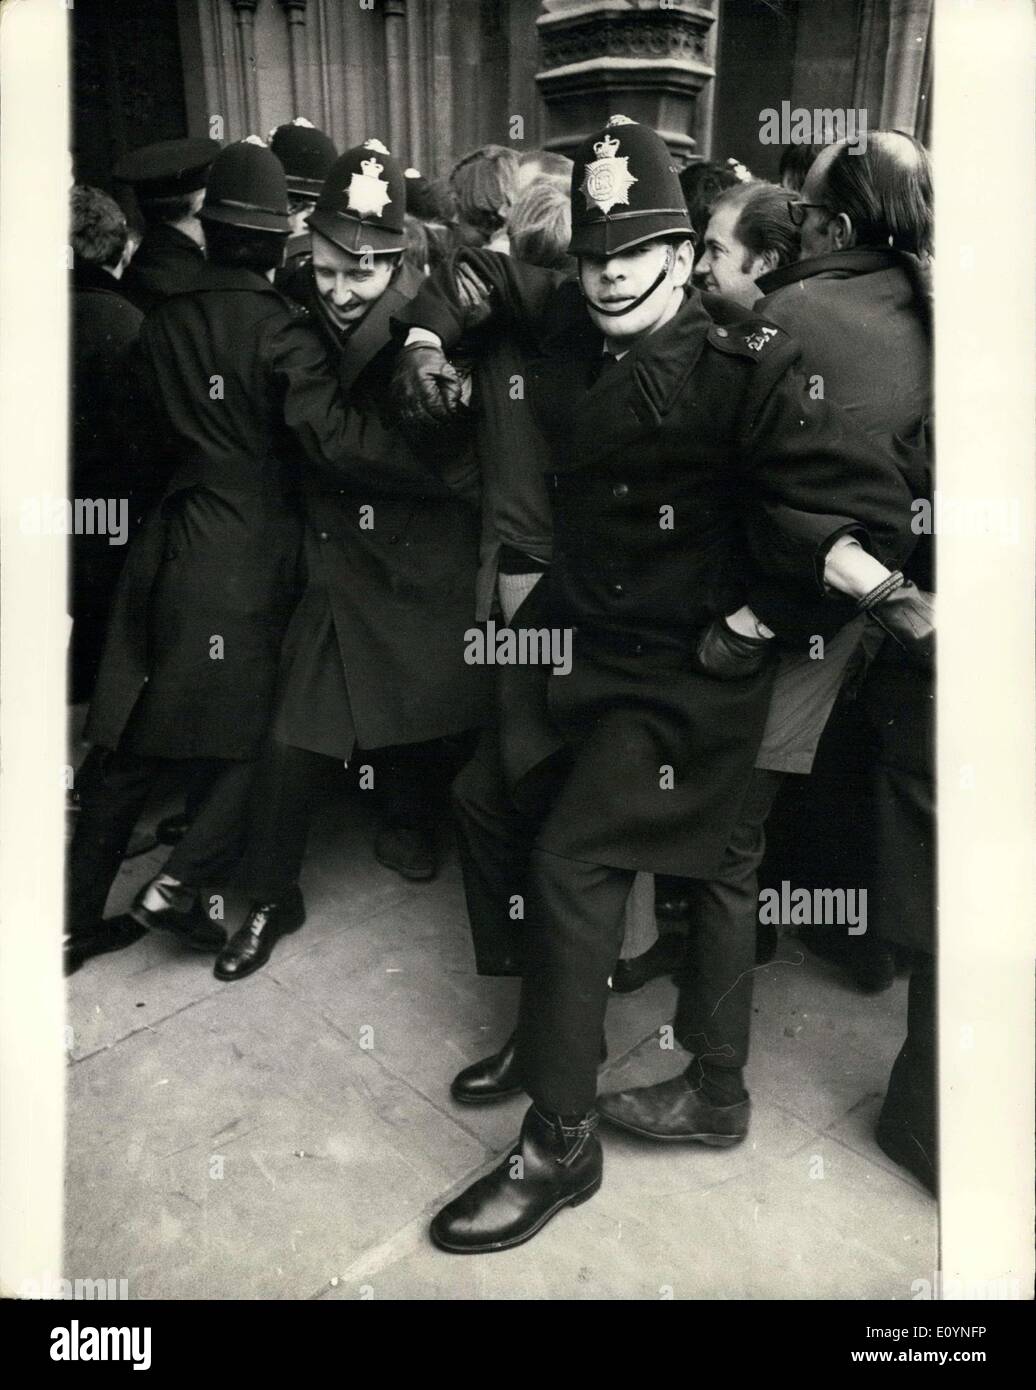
(670, 257)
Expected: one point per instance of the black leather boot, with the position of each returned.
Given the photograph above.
(495, 1078)
(252, 944)
(169, 906)
(552, 1165)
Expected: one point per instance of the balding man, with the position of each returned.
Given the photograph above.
(858, 298)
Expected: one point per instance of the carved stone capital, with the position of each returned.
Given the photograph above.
(602, 56)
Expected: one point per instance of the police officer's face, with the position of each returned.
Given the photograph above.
(726, 265)
(348, 285)
(615, 281)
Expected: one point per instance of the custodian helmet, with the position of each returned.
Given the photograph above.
(363, 202)
(625, 190)
(246, 188)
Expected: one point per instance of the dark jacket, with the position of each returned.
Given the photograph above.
(241, 384)
(107, 461)
(708, 417)
(166, 262)
(375, 652)
(863, 318)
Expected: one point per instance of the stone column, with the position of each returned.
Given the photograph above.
(640, 58)
(903, 100)
(295, 14)
(244, 19)
(396, 75)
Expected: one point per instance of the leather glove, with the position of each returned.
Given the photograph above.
(425, 385)
(728, 655)
(906, 613)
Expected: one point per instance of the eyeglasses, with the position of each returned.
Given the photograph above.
(797, 210)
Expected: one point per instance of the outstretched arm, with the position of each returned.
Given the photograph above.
(350, 444)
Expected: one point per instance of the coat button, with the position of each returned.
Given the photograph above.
(618, 590)
(620, 490)
(323, 535)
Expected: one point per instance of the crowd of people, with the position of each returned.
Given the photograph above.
(677, 419)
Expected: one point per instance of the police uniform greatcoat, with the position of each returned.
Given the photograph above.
(710, 417)
(375, 651)
(241, 383)
(166, 262)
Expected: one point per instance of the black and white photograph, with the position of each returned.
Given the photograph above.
(507, 833)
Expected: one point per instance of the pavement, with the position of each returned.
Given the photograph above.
(290, 1135)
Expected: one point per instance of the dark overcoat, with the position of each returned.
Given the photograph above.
(242, 387)
(693, 476)
(375, 652)
(105, 459)
(166, 262)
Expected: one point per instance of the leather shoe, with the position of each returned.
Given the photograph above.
(409, 851)
(660, 959)
(252, 944)
(113, 935)
(674, 1112)
(496, 1077)
(166, 905)
(551, 1166)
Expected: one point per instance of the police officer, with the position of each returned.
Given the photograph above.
(699, 498)
(373, 659)
(242, 388)
(169, 182)
(307, 155)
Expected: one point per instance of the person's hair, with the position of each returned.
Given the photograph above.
(417, 244)
(540, 225)
(244, 248)
(702, 183)
(99, 230)
(885, 190)
(431, 200)
(483, 182)
(764, 223)
(548, 162)
(796, 162)
(173, 209)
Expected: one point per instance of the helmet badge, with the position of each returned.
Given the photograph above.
(607, 180)
(368, 191)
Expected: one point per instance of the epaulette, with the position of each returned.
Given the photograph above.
(749, 340)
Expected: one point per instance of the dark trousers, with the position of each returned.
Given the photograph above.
(558, 922)
(714, 1010)
(567, 941)
(112, 799)
(909, 1114)
(292, 782)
